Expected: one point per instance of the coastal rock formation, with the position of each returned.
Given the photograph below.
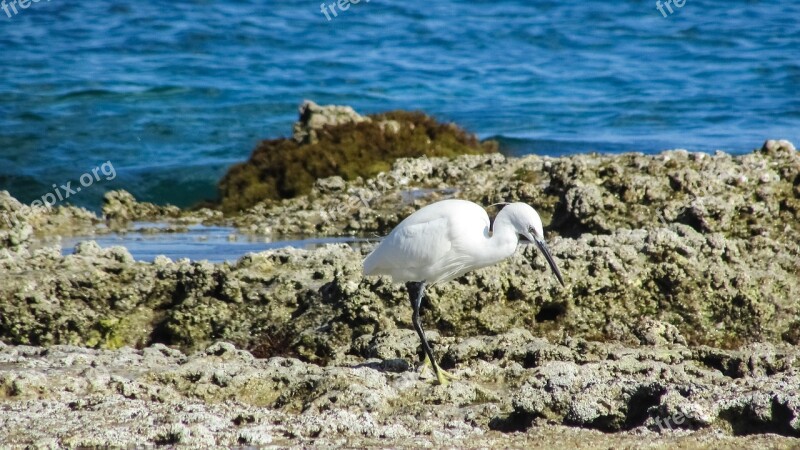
(314, 118)
(121, 206)
(738, 196)
(677, 323)
(19, 223)
(335, 140)
(315, 304)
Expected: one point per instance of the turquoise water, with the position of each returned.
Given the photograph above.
(173, 92)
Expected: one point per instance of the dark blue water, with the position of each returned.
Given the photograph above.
(173, 92)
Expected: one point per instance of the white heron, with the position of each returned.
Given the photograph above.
(447, 239)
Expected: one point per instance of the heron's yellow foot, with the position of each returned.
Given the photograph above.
(443, 377)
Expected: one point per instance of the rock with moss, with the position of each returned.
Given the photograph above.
(334, 140)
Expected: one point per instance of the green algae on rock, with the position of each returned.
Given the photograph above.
(334, 140)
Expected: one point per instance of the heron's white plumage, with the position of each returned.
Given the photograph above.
(440, 242)
(445, 240)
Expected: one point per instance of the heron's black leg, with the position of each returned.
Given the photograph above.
(416, 290)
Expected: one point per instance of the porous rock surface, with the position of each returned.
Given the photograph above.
(739, 196)
(678, 325)
(514, 390)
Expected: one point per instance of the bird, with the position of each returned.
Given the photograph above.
(446, 239)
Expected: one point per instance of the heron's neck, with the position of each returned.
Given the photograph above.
(503, 240)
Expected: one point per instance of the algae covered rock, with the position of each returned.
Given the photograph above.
(661, 286)
(14, 228)
(334, 140)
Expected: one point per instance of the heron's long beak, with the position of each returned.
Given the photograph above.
(550, 260)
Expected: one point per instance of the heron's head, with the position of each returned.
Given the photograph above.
(528, 224)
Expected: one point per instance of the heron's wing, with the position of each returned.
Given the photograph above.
(409, 247)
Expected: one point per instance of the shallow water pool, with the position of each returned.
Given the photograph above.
(199, 242)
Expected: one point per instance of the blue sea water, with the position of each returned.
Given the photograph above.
(173, 92)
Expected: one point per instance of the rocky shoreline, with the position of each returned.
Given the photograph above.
(515, 390)
(679, 324)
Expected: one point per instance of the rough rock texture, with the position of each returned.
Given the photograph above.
(738, 196)
(122, 206)
(19, 223)
(676, 325)
(514, 390)
(313, 118)
(335, 140)
(710, 289)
